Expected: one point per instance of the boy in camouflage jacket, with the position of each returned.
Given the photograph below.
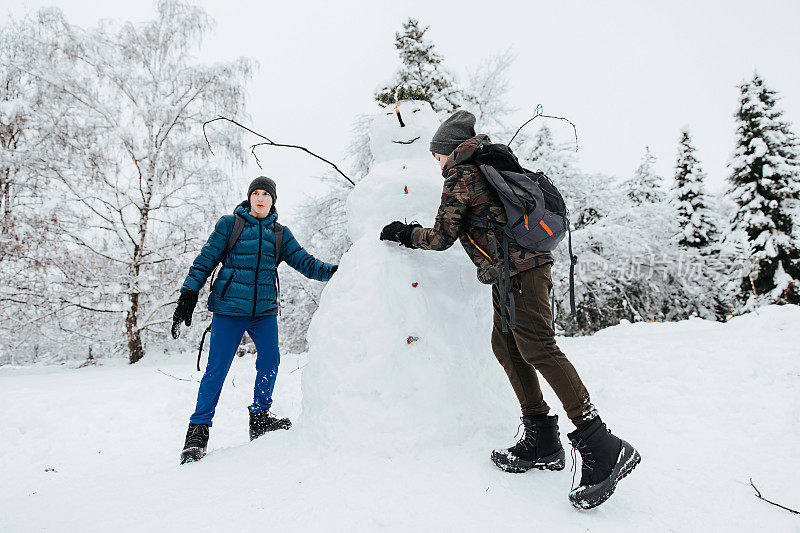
(530, 345)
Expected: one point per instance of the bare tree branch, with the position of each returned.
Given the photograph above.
(174, 377)
(539, 113)
(760, 497)
(87, 308)
(271, 143)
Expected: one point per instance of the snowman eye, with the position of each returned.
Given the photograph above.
(415, 110)
(390, 113)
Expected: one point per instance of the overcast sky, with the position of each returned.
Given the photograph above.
(629, 74)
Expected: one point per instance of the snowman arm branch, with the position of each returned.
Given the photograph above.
(303, 148)
(270, 142)
(539, 112)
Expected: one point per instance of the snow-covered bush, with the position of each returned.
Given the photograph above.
(628, 269)
(588, 196)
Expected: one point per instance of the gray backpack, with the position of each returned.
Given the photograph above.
(538, 218)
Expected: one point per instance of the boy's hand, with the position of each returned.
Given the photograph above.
(183, 312)
(399, 232)
(390, 231)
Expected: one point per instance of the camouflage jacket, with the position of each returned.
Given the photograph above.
(467, 192)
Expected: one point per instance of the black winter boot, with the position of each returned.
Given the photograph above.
(196, 442)
(539, 447)
(605, 460)
(264, 421)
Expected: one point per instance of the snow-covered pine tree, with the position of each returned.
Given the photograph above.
(697, 228)
(421, 76)
(624, 268)
(765, 185)
(644, 186)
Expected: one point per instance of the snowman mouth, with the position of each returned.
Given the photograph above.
(406, 142)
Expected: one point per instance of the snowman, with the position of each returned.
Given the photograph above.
(399, 354)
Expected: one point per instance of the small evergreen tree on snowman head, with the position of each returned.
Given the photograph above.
(421, 76)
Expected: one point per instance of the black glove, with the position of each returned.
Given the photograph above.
(399, 232)
(183, 312)
(405, 234)
(390, 231)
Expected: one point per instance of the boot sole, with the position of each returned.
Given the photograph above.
(190, 455)
(283, 423)
(591, 496)
(509, 463)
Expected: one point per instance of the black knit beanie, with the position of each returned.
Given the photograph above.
(265, 184)
(458, 127)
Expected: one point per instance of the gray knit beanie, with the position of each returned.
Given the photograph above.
(458, 127)
(265, 184)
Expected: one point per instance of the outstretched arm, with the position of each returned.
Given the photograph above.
(302, 261)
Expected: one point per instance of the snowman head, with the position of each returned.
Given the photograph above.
(403, 130)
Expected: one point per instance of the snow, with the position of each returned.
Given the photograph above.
(758, 147)
(399, 402)
(709, 406)
(392, 435)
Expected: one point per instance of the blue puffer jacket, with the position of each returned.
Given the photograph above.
(246, 284)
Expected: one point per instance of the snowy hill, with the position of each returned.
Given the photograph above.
(709, 405)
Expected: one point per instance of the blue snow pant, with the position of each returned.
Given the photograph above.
(226, 334)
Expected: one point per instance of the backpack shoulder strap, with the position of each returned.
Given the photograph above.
(233, 236)
(278, 241)
(236, 232)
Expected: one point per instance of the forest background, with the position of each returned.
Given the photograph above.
(87, 266)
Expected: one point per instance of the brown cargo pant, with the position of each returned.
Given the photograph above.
(531, 347)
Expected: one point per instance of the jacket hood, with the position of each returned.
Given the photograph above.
(465, 152)
(243, 209)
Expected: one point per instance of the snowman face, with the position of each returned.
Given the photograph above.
(403, 130)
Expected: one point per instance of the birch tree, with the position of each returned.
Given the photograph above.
(129, 159)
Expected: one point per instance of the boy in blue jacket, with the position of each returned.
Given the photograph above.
(244, 297)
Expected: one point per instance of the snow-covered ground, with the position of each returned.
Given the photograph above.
(709, 406)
